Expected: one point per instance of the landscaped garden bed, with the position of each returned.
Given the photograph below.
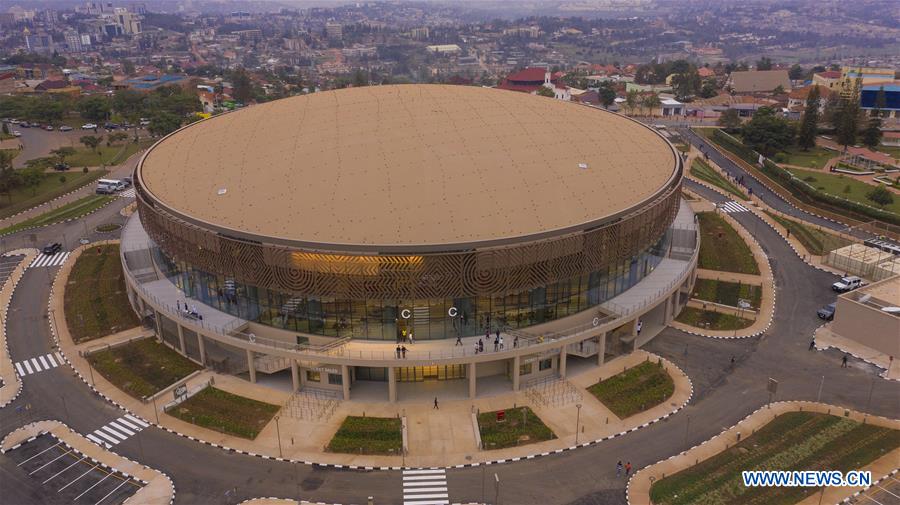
(727, 293)
(225, 412)
(722, 248)
(712, 320)
(368, 435)
(701, 170)
(70, 210)
(635, 390)
(792, 441)
(815, 241)
(96, 303)
(519, 426)
(143, 367)
(51, 186)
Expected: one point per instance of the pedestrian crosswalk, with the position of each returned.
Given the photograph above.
(49, 260)
(732, 206)
(39, 364)
(425, 487)
(128, 193)
(117, 431)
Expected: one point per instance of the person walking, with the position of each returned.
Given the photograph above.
(501, 342)
(496, 344)
(398, 351)
(627, 469)
(844, 361)
(619, 469)
(476, 347)
(403, 335)
(498, 332)
(480, 345)
(812, 344)
(516, 342)
(458, 340)
(640, 326)
(411, 341)
(436, 404)
(403, 351)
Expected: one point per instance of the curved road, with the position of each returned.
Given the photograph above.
(723, 395)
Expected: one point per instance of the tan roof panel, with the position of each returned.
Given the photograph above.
(408, 165)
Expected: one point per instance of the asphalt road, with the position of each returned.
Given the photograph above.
(725, 394)
(38, 142)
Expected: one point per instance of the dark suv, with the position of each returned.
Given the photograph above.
(52, 248)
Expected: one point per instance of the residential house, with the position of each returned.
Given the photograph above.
(758, 81)
(530, 80)
(830, 79)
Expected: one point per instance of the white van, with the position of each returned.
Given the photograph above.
(109, 186)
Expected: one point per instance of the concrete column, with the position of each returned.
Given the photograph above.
(251, 366)
(345, 381)
(158, 326)
(601, 349)
(181, 338)
(202, 345)
(517, 363)
(392, 384)
(295, 375)
(473, 380)
(562, 362)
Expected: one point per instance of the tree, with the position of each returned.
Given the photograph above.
(709, 88)
(127, 67)
(241, 86)
(806, 134)
(764, 64)
(91, 141)
(779, 90)
(62, 153)
(730, 120)
(796, 72)
(114, 137)
(631, 100)
(651, 101)
(881, 196)
(6, 128)
(9, 177)
(94, 108)
(606, 93)
(545, 91)
(360, 79)
(163, 123)
(687, 84)
(871, 136)
(848, 114)
(32, 178)
(767, 132)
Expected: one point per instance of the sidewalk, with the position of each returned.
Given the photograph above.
(441, 437)
(825, 339)
(158, 488)
(638, 488)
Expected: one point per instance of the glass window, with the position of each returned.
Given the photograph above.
(525, 369)
(313, 376)
(545, 364)
(335, 379)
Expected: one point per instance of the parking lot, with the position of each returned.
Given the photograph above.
(886, 492)
(56, 474)
(7, 265)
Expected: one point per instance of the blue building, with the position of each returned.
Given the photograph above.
(869, 96)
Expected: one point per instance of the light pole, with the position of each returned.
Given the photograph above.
(154, 409)
(577, 421)
(819, 394)
(496, 490)
(869, 400)
(278, 433)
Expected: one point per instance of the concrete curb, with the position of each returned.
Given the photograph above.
(884, 372)
(107, 204)
(104, 465)
(358, 467)
(725, 430)
(850, 499)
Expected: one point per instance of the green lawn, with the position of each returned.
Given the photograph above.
(816, 157)
(816, 241)
(843, 186)
(635, 390)
(522, 426)
(112, 155)
(792, 441)
(890, 151)
(727, 293)
(74, 209)
(51, 187)
(368, 435)
(701, 170)
(225, 412)
(143, 367)
(721, 248)
(699, 318)
(96, 303)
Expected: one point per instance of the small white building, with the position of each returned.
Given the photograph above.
(671, 107)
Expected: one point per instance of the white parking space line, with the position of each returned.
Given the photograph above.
(79, 477)
(113, 491)
(63, 471)
(38, 469)
(38, 454)
(92, 487)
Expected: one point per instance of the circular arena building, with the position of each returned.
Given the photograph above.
(318, 233)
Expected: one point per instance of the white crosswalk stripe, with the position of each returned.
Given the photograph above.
(46, 260)
(425, 487)
(128, 193)
(117, 431)
(35, 365)
(731, 206)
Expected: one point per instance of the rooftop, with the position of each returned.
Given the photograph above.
(408, 165)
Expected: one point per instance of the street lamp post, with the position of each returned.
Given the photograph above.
(154, 409)
(278, 434)
(577, 421)
(496, 490)
(819, 394)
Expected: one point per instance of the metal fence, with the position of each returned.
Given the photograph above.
(311, 405)
(553, 392)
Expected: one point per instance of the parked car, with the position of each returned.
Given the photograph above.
(827, 312)
(16, 133)
(126, 181)
(24, 124)
(61, 166)
(52, 248)
(145, 122)
(111, 126)
(48, 128)
(847, 284)
(89, 126)
(65, 128)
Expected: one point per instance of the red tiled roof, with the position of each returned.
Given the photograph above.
(529, 74)
(524, 88)
(830, 74)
